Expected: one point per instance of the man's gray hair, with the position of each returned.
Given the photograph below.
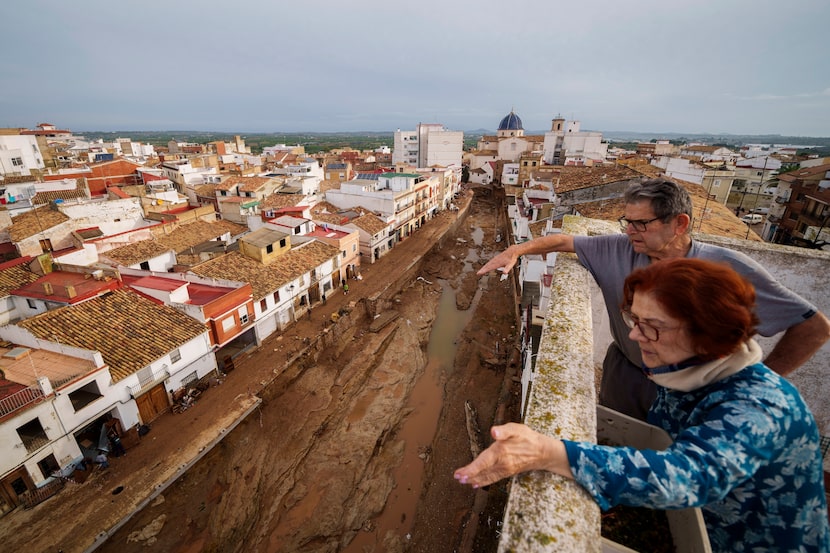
(667, 198)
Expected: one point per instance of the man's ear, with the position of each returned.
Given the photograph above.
(683, 223)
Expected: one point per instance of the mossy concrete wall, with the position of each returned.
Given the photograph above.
(546, 512)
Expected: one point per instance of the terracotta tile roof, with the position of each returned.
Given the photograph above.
(324, 206)
(178, 240)
(129, 330)
(136, 252)
(80, 191)
(537, 228)
(325, 212)
(252, 184)
(222, 226)
(265, 279)
(15, 274)
(329, 184)
(369, 222)
(205, 190)
(648, 170)
(197, 232)
(34, 221)
(791, 176)
(277, 200)
(576, 178)
(248, 184)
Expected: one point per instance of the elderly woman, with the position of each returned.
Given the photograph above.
(746, 447)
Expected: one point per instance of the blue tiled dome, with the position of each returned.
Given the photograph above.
(511, 122)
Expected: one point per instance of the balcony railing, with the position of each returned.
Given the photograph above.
(33, 443)
(19, 400)
(137, 389)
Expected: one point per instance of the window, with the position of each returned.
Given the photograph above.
(145, 376)
(33, 435)
(228, 324)
(354, 247)
(263, 304)
(48, 466)
(282, 243)
(277, 296)
(175, 356)
(32, 304)
(84, 395)
(145, 265)
(243, 314)
(189, 379)
(269, 248)
(344, 255)
(17, 162)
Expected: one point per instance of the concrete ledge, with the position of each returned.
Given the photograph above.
(546, 512)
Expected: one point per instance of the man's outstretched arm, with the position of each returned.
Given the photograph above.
(542, 245)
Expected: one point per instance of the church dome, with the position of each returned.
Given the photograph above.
(511, 122)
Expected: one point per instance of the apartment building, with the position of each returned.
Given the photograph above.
(406, 199)
(430, 144)
(20, 155)
(800, 214)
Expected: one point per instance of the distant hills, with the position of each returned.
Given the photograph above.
(315, 141)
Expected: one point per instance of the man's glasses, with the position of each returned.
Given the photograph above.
(651, 333)
(639, 225)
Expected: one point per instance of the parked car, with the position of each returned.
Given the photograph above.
(761, 210)
(752, 218)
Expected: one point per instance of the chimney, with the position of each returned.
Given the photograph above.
(70, 291)
(47, 288)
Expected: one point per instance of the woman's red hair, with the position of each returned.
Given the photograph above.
(714, 301)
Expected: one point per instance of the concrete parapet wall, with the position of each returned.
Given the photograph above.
(546, 512)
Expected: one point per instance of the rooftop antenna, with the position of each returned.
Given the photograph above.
(34, 370)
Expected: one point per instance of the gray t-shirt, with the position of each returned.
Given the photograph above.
(610, 259)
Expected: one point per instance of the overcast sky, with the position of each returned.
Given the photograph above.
(713, 66)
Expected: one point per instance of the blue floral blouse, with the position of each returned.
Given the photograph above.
(746, 450)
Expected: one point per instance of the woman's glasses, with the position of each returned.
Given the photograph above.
(651, 333)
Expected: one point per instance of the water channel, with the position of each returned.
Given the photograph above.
(425, 403)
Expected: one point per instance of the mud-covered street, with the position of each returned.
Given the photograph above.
(354, 444)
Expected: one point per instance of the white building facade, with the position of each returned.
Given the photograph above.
(20, 155)
(430, 145)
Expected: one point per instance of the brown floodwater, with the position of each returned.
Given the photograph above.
(419, 427)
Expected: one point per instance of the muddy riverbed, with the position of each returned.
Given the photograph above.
(354, 446)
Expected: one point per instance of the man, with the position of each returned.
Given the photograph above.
(101, 459)
(657, 224)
